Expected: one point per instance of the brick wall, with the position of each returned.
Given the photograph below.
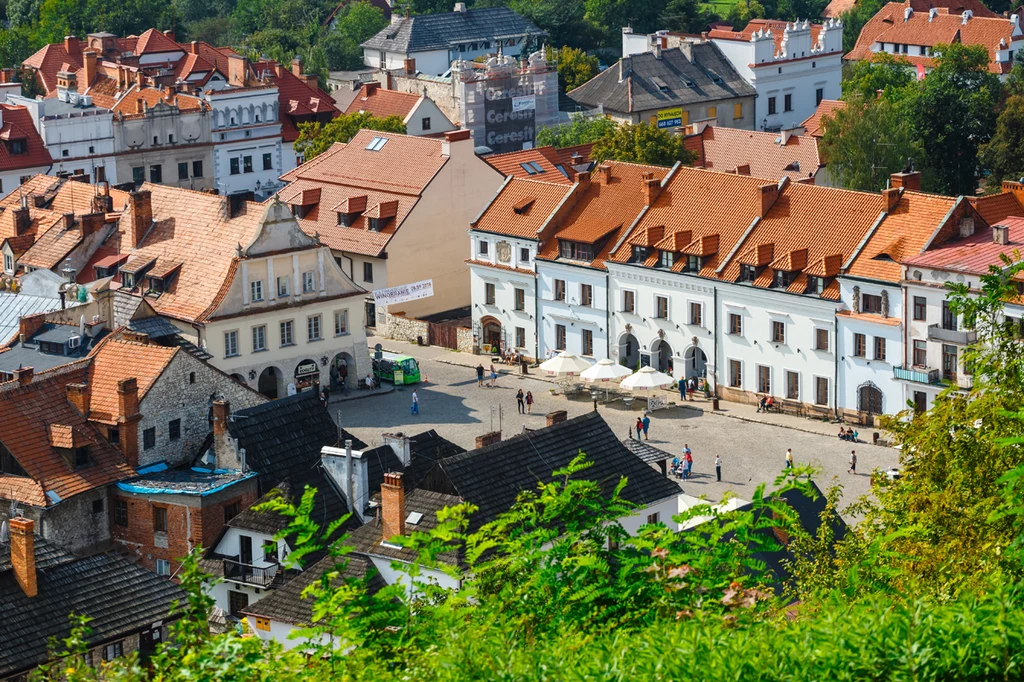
(176, 396)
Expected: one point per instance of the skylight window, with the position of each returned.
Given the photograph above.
(532, 167)
(662, 85)
(376, 144)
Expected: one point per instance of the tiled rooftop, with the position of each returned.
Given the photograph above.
(540, 163)
(974, 254)
(374, 100)
(764, 154)
(521, 208)
(814, 124)
(115, 359)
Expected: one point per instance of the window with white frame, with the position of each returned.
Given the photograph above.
(735, 374)
(559, 337)
(778, 332)
(586, 295)
(163, 567)
(307, 282)
(313, 328)
(259, 338)
(764, 379)
(792, 386)
(820, 391)
(340, 322)
(282, 286)
(661, 307)
(8, 263)
(587, 342)
(489, 293)
(287, 333)
(735, 324)
(820, 339)
(482, 247)
(696, 314)
(628, 301)
(880, 348)
(230, 344)
(256, 286)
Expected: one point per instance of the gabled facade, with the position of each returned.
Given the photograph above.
(22, 151)
(419, 113)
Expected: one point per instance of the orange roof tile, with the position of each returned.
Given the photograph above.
(604, 208)
(904, 232)
(377, 101)
(726, 149)
(52, 244)
(153, 40)
(114, 359)
(697, 203)
(814, 125)
(150, 97)
(974, 254)
(521, 208)
(805, 224)
(540, 163)
(996, 207)
(18, 125)
(27, 414)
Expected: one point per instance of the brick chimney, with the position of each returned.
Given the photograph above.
(79, 397)
(140, 106)
(193, 47)
(30, 324)
(67, 220)
(71, 45)
(410, 66)
(769, 193)
(455, 136)
(1000, 235)
(604, 173)
(22, 220)
(911, 181)
(488, 439)
(392, 503)
(128, 418)
(743, 169)
(238, 69)
(652, 188)
(371, 88)
(890, 199)
(103, 203)
(89, 65)
(223, 447)
(141, 203)
(23, 554)
(169, 33)
(92, 223)
(24, 375)
(556, 417)
(297, 66)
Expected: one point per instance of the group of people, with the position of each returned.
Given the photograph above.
(643, 425)
(510, 356)
(683, 466)
(766, 403)
(524, 402)
(689, 386)
(847, 434)
(493, 375)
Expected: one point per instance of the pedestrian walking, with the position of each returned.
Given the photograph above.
(718, 468)
(521, 402)
(687, 466)
(646, 424)
(494, 376)
(639, 427)
(529, 402)
(789, 458)
(682, 390)
(691, 386)
(480, 375)
(415, 402)
(853, 461)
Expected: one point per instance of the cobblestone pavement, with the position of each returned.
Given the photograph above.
(452, 403)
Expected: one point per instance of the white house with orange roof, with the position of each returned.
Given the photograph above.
(391, 207)
(418, 112)
(790, 153)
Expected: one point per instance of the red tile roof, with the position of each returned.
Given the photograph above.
(27, 413)
(521, 208)
(152, 41)
(777, 27)
(974, 254)
(814, 124)
(376, 101)
(398, 172)
(996, 207)
(763, 154)
(547, 159)
(17, 125)
(150, 97)
(298, 102)
(114, 359)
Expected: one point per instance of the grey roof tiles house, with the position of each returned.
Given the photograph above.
(443, 31)
(683, 75)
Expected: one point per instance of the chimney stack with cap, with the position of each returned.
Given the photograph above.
(71, 46)
(223, 444)
(89, 67)
(392, 503)
(297, 66)
(23, 555)
(488, 439)
(907, 180)
(890, 198)
(141, 203)
(1000, 235)
(22, 220)
(24, 375)
(128, 418)
(79, 397)
(652, 188)
(556, 417)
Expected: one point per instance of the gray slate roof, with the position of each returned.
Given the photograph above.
(443, 31)
(13, 307)
(120, 597)
(368, 538)
(30, 355)
(651, 83)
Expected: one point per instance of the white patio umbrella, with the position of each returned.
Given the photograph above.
(647, 378)
(564, 364)
(604, 371)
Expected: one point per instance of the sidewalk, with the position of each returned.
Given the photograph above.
(741, 411)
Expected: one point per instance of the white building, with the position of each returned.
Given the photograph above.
(792, 66)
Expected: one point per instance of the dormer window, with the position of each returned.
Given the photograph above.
(128, 280)
(156, 286)
(378, 224)
(17, 147)
(666, 259)
(8, 465)
(748, 273)
(575, 250)
(640, 254)
(694, 263)
(815, 285)
(347, 219)
(783, 278)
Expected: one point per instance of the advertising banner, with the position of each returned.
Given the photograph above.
(670, 118)
(404, 293)
(524, 103)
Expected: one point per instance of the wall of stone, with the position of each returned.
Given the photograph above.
(184, 391)
(73, 524)
(441, 92)
(404, 328)
(467, 340)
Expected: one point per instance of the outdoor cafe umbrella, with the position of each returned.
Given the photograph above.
(603, 372)
(564, 364)
(647, 378)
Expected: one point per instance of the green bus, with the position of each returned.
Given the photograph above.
(407, 369)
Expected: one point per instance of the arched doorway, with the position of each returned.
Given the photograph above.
(491, 333)
(696, 362)
(869, 399)
(307, 376)
(629, 351)
(661, 356)
(240, 379)
(343, 371)
(269, 383)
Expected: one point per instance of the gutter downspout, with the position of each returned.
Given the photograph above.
(835, 380)
(714, 293)
(607, 313)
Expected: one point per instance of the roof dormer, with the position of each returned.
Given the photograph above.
(380, 215)
(350, 209)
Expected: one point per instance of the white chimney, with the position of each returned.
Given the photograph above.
(932, 13)
(401, 445)
(907, 13)
(966, 16)
(460, 7)
(348, 470)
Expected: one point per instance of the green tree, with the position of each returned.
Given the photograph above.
(564, 20)
(642, 143)
(741, 13)
(579, 130)
(575, 67)
(21, 13)
(316, 138)
(867, 141)
(855, 18)
(954, 114)
(1003, 155)
(886, 73)
(609, 16)
(356, 23)
(688, 16)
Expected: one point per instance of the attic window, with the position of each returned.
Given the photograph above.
(662, 85)
(127, 280)
(347, 219)
(156, 286)
(523, 206)
(748, 273)
(795, 166)
(815, 285)
(689, 83)
(665, 259)
(640, 254)
(694, 263)
(783, 278)
(378, 224)
(715, 78)
(17, 146)
(575, 250)
(376, 144)
(414, 518)
(561, 169)
(8, 465)
(532, 167)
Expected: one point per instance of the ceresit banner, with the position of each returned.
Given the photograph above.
(404, 293)
(670, 118)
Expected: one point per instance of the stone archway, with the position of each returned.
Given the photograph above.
(696, 362)
(269, 383)
(240, 379)
(491, 333)
(870, 399)
(629, 351)
(661, 356)
(343, 371)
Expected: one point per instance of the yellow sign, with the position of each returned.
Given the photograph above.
(670, 118)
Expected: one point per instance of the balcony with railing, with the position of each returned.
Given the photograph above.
(260, 576)
(919, 375)
(958, 337)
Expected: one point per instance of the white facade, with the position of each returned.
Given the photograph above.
(229, 546)
(571, 318)
(870, 348)
(78, 135)
(504, 300)
(682, 343)
(247, 146)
